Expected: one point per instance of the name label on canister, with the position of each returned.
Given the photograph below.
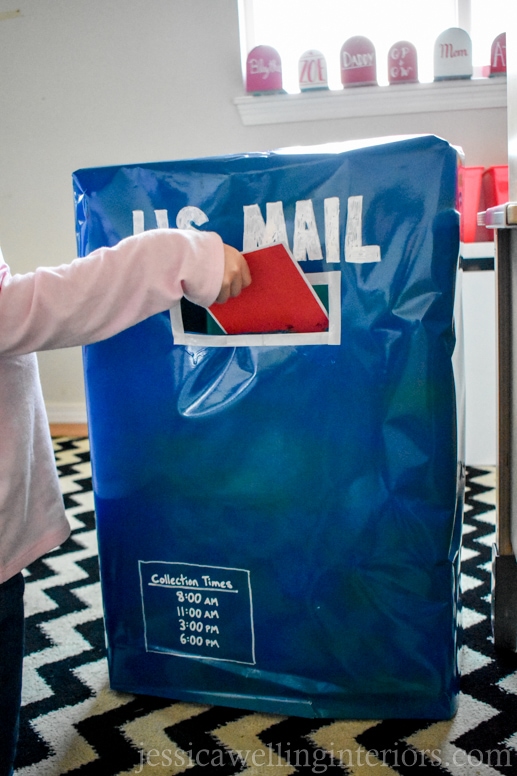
(312, 71)
(453, 55)
(498, 55)
(402, 63)
(263, 70)
(358, 62)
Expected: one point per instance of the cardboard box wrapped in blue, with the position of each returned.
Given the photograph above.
(279, 514)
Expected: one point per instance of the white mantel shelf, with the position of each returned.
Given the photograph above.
(468, 94)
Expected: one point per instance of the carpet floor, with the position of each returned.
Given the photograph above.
(74, 724)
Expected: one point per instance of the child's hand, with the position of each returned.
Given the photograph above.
(236, 274)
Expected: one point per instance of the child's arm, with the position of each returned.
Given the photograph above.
(114, 288)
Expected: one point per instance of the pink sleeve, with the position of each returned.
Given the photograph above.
(109, 290)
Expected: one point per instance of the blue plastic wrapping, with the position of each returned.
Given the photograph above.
(279, 516)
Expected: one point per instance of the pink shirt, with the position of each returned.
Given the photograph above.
(76, 304)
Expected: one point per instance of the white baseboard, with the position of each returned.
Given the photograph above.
(66, 412)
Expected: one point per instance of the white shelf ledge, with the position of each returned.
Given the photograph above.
(478, 250)
(469, 94)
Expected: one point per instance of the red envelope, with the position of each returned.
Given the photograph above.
(279, 299)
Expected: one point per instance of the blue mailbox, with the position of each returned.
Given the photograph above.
(279, 515)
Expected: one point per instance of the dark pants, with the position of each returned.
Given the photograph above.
(11, 661)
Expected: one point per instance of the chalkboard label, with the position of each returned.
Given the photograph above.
(197, 611)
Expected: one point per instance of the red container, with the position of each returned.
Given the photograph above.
(358, 62)
(494, 191)
(498, 55)
(263, 70)
(402, 63)
(495, 185)
(469, 193)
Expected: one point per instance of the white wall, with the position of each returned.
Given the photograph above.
(480, 367)
(89, 82)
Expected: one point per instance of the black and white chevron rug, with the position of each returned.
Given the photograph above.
(74, 724)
